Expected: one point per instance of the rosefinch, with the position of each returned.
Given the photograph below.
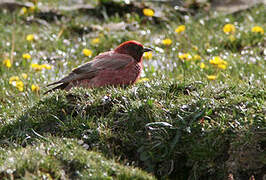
(121, 66)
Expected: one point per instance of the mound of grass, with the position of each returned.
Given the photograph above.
(181, 130)
(62, 159)
(197, 113)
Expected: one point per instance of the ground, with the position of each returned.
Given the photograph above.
(198, 111)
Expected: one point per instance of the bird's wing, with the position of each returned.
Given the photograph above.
(108, 60)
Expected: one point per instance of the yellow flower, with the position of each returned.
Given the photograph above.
(46, 66)
(229, 28)
(26, 56)
(143, 80)
(19, 85)
(167, 42)
(30, 37)
(257, 29)
(15, 81)
(13, 78)
(222, 66)
(87, 52)
(147, 55)
(95, 41)
(148, 12)
(185, 56)
(23, 11)
(24, 75)
(7, 63)
(180, 29)
(224, 62)
(196, 57)
(35, 88)
(32, 9)
(211, 77)
(38, 67)
(217, 60)
(202, 65)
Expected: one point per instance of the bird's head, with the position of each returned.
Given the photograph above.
(132, 48)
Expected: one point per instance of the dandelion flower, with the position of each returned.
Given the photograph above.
(211, 77)
(95, 41)
(143, 80)
(202, 65)
(147, 55)
(38, 67)
(221, 66)
(148, 12)
(23, 11)
(34, 66)
(20, 85)
(30, 37)
(185, 56)
(26, 56)
(24, 75)
(223, 62)
(13, 78)
(7, 63)
(257, 29)
(217, 60)
(229, 28)
(15, 81)
(180, 29)
(167, 42)
(46, 66)
(35, 88)
(196, 57)
(32, 9)
(87, 52)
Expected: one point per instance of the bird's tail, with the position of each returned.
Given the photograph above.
(61, 86)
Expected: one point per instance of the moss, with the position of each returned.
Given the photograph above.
(63, 159)
(177, 124)
(155, 133)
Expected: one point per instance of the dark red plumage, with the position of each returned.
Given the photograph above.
(121, 66)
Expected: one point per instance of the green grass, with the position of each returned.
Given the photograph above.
(62, 159)
(177, 124)
(150, 128)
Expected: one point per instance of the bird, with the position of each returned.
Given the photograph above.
(119, 67)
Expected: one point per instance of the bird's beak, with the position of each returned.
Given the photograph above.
(147, 49)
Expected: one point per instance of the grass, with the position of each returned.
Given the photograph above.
(176, 124)
(62, 159)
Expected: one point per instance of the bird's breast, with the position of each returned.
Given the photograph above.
(125, 76)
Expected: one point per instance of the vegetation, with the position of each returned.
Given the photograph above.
(198, 111)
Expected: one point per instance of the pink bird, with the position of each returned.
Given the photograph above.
(121, 66)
